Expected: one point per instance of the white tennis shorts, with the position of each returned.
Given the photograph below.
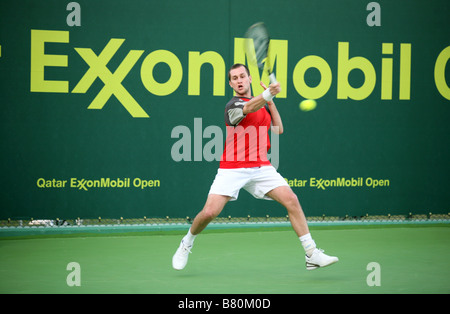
(257, 181)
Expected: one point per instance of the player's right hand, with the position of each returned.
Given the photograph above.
(275, 88)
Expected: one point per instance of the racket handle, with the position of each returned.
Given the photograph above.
(272, 78)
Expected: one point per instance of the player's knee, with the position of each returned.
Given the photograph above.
(291, 201)
(209, 213)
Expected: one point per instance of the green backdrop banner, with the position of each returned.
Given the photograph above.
(115, 108)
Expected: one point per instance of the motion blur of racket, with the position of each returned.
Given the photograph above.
(257, 38)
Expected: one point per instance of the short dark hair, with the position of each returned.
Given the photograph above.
(235, 66)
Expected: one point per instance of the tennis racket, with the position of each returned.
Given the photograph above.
(257, 48)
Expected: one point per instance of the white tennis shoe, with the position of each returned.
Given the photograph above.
(180, 258)
(319, 259)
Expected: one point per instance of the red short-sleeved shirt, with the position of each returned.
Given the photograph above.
(247, 141)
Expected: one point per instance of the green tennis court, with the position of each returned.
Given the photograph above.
(412, 259)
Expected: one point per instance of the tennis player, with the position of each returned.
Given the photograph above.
(244, 164)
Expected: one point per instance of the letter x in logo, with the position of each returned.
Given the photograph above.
(112, 81)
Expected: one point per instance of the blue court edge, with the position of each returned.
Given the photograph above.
(99, 229)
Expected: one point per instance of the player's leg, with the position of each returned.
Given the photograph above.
(315, 257)
(286, 197)
(225, 187)
(213, 206)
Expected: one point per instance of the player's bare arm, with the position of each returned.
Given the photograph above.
(259, 101)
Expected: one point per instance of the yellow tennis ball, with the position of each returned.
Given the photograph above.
(308, 105)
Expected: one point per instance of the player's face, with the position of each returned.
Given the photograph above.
(240, 81)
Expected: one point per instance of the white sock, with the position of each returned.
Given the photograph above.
(308, 244)
(189, 238)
